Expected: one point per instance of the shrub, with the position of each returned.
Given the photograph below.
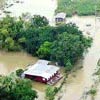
(19, 72)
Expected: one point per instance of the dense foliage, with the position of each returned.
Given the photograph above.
(50, 93)
(16, 89)
(64, 44)
(69, 48)
(81, 7)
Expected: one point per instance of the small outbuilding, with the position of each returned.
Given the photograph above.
(60, 18)
(43, 72)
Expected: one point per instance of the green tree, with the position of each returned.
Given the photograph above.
(9, 43)
(68, 66)
(16, 89)
(45, 50)
(38, 21)
(31, 38)
(10, 29)
(69, 47)
(19, 72)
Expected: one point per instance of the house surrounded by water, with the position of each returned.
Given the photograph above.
(60, 18)
(43, 72)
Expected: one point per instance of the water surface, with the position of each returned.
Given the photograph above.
(78, 85)
(39, 7)
(78, 81)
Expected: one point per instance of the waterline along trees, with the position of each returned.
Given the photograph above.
(64, 44)
(68, 48)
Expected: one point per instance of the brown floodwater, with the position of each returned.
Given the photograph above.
(34, 7)
(1, 2)
(78, 81)
(10, 61)
(82, 80)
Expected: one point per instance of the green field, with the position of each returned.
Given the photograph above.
(81, 7)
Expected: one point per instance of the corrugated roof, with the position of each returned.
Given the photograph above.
(41, 68)
(61, 15)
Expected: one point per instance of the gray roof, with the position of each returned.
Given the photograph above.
(61, 15)
(41, 68)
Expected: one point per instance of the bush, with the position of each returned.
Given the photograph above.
(19, 72)
(93, 91)
(50, 93)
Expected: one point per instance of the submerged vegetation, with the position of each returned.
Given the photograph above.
(64, 44)
(81, 7)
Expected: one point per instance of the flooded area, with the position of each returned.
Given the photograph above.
(83, 79)
(10, 61)
(1, 3)
(44, 8)
(78, 82)
(86, 24)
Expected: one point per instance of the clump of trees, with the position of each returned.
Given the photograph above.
(64, 44)
(68, 48)
(12, 88)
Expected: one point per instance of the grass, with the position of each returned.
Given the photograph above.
(81, 7)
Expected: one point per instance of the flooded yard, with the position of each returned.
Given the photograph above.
(78, 81)
(10, 61)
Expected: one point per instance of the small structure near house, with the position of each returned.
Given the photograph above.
(43, 72)
(60, 18)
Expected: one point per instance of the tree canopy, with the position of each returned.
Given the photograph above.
(69, 48)
(12, 88)
(64, 44)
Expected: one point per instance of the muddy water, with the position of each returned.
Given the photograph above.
(10, 61)
(1, 2)
(78, 85)
(38, 7)
(77, 82)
